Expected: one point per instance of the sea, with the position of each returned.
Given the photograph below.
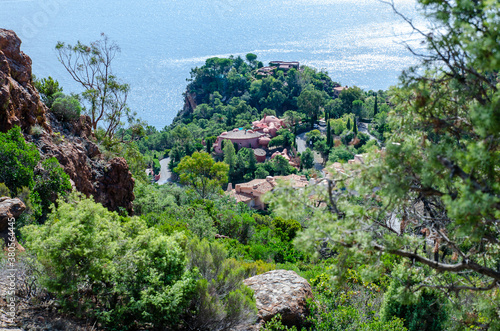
(360, 42)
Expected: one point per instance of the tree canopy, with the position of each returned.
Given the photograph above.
(91, 67)
(202, 174)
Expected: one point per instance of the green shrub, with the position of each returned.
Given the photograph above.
(66, 107)
(340, 154)
(286, 230)
(4, 190)
(51, 182)
(17, 160)
(111, 267)
(221, 300)
(363, 139)
(47, 87)
(428, 313)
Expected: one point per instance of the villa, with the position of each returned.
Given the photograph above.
(269, 124)
(277, 65)
(259, 137)
(339, 89)
(251, 192)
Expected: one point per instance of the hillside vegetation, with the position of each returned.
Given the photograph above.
(403, 237)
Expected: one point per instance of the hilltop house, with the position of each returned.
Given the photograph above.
(277, 65)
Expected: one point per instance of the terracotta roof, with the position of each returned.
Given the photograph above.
(260, 186)
(295, 180)
(240, 197)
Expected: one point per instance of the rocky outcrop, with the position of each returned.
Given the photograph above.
(110, 183)
(280, 292)
(117, 182)
(9, 209)
(71, 143)
(19, 101)
(190, 102)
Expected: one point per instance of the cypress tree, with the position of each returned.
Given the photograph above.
(375, 108)
(355, 128)
(329, 135)
(349, 123)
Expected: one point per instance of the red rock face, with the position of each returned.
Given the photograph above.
(72, 144)
(19, 101)
(116, 182)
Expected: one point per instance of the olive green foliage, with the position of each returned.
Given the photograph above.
(286, 230)
(105, 96)
(340, 154)
(112, 267)
(313, 136)
(424, 310)
(17, 160)
(202, 174)
(245, 166)
(51, 182)
(155, 199)
(66, 107)
(48, 88)
(38, 187)
(278, 141)
(307, 159)
(310, 102)
(221, 301)
(4, 190)
(282, 167)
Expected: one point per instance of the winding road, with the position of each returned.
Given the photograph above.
(165, 174)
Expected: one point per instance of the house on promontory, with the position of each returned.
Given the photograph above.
(339, 89)
(277, 65)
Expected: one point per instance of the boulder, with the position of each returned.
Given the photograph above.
(280, 292)
(9, 208)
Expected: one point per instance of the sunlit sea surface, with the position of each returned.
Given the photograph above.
(357, 42)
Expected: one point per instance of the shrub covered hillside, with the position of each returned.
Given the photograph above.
(392, 216)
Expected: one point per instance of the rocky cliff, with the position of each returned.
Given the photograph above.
(19, 101)
(72, 143)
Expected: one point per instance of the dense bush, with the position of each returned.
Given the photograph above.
(66, 107)
(112, 267)
(17, 160)
(51, 182)
(48, 88)
(340, 154)
(221, 301)
(422, 310)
